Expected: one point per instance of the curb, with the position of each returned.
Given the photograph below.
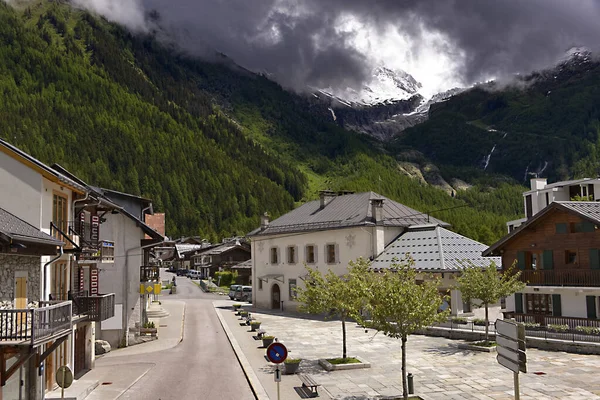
(182, 323)
(257, 388)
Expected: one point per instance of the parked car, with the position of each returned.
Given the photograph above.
(232, 290)
(182, 272)
(193, 274)
(243, 293)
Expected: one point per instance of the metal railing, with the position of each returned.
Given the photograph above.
(561, 277)
(76, 233)
(35, 326)
(99, 308)
(546, 320)
(149, 273)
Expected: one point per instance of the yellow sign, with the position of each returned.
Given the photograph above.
(157, 288)
(150, 287)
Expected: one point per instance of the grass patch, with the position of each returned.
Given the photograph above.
(483, 343)
(347, 360)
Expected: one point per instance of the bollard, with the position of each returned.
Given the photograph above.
(411, 386)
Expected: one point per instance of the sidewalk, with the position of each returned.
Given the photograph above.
(440, 369)
(108, 381)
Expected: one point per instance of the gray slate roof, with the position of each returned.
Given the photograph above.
(244, 265)
(435, 249)
(14, 228)
(345, 211)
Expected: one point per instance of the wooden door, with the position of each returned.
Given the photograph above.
(49, 369)
(21, 292)
(276, 296)
(80, 349)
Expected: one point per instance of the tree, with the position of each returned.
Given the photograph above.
(486, 286)
(398, 305)
(336, 296)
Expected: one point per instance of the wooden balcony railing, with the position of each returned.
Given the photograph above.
(98, 308)
(545, 320)
(149, 273)
(36, 326)
(561, 277)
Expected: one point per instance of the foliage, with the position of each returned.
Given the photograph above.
(459, 320)
(149, 325)
(558, 327)
(292, 361)
(588, 330)
(336, 296)
(485, 286)
(484, 343)
(532, 325)
(226, 278)
(348, 360)
(398, 305)
(479, 322)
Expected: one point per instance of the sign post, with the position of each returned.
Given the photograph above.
(64, 379)
(277, 353)
(510, 344)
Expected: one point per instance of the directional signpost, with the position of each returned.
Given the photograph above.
(277, 353)
(510, 344)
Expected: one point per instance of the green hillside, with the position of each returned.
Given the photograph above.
(212, 144)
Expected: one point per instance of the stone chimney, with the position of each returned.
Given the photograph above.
(326, 196)
(264, 221)
(538, 183)
(377, 211)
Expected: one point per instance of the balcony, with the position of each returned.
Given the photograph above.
(149, 273)
(561, 277)
(36, 326)
(77, 235)
(95, 308)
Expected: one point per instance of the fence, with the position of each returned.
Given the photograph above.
(35, 325)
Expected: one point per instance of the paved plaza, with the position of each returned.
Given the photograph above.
(440, 369)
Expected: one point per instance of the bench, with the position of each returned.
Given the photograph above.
(309, 382)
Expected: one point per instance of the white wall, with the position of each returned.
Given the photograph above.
(352, 243)
(21, 189)
(573, 300)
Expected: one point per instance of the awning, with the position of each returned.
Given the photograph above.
(275, 277)
(304, 277)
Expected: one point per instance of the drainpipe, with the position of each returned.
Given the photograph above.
(142, 217)
(87, 196)
(50, 262)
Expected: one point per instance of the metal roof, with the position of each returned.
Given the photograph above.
(243, 265)
(181, 248)
(15, 229)
(435, 249)
(589, 210)
(344, 211)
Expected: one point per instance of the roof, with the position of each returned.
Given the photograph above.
(244, 265)
(181, 248)
(34, 163)
(435, 249)
(223, 248)
(589, 210)
(345, 211)
(13, 228)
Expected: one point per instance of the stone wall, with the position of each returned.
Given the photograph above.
(11, 263)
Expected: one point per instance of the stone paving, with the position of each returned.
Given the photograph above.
(441, 370)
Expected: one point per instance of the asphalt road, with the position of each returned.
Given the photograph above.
(202, 366)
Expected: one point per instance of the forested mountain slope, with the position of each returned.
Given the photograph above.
(212, 144)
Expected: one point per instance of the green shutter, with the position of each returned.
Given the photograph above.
(556, 306)
(519, 303)
(591, 306)
(561, 228)
(594, 259)
(548, 259)
(521, 259)
(587, 226)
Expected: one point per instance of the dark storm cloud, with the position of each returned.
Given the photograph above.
(298, 41)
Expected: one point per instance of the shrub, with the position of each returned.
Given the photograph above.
(459, 320)
(531, 325)
(268, 337)
(149, 325)
(588, 330)
(292, 361)
(227, 277)
(558, 328)
(479, 322)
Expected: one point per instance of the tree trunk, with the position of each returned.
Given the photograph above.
(404, 383)
(487, 323)
(344, 336)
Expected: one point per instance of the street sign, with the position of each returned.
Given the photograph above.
(518, 357)
(64, 377)
(277, 374)
(514, 367)
(510, 344)
(510, 329)
(277, 353)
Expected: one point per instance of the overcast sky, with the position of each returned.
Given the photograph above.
(336, 43)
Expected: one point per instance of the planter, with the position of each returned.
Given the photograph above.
(243, 314)
(148, 331)
(336, 367)
(292, 367)
(236, 307)
(254, 326)
(267, 341)
(474, 347)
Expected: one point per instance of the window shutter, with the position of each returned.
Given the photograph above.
(521, 260)
(556, 306)
(337, 253)
(548, 259)
(594, 259)
(306, 254)
(587, 226)
(591, 307)
(561, 228)
(519, 303)
(316, 253)
(295, 254)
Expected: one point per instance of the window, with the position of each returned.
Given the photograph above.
(466, 306)
(260, 284)
(570, 257)
(534, 261)
(591, 307)
(59, 213)
(310, 254)
(561, 228)
(528, 207)
(538, 304)
(107, 251)
(274, 255)
(291, 254)
(584, 226)
(330, 253)
(292, 284)
(547, 198)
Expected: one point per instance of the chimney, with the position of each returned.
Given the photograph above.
(377, 211)
(538, 183)
(264, 221)
(326, 196)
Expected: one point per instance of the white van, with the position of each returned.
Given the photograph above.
(193, 274)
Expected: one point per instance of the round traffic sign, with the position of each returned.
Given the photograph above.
(64, 377)
(277, 353)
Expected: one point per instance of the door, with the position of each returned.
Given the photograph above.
(49, 369)
(20, 301)
(275, 297)
(80, 349)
